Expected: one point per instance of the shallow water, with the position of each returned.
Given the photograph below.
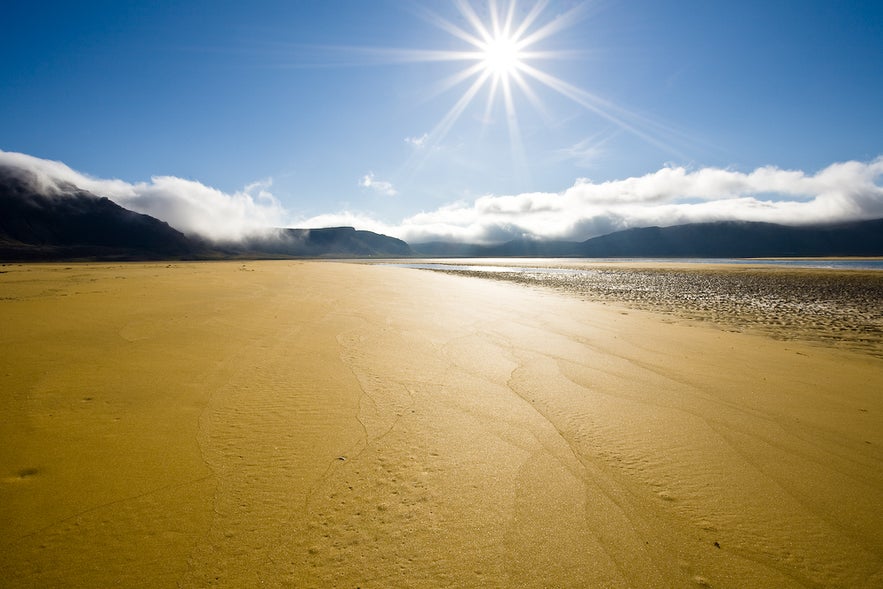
(524, 265)
(785, 299)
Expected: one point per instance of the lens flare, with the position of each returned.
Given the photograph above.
(504, 61)
(501, 56)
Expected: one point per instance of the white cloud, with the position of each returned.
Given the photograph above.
(186, 205)
(418, 142)
(380, 186)
(347, 219)
(672, 195)
(193, 207)
(585, 153)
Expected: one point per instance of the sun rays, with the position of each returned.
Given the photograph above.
(505, 57)
(501, 47)
(507, 66)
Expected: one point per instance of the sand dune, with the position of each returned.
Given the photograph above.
(336, 425)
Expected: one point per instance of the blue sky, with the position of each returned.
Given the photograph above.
(327, 112)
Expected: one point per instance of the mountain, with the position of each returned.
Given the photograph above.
(330, 242)
(517, 248)
(78, 224)
(70, 223)
(724, 239)
(739, 239)
(38, 224)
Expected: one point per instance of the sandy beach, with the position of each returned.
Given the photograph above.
(321, 424)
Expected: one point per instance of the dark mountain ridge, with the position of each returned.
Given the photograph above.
(741, 239)
(76, 223)
(721, 239)
(71, 223)
(38, 224)
(329, 242)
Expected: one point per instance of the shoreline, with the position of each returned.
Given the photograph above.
(320, 424)
(831, 307)
(582, 263)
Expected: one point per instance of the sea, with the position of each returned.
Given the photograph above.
(550, 264)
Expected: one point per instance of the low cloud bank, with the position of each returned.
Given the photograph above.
(670, 196)
(186, 205)
(673, 195)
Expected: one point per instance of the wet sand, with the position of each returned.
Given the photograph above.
(337, 425)
(836, 307)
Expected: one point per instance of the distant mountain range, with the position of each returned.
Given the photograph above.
(330, 242)
(722, 239)
(79, 224)
(76, 224)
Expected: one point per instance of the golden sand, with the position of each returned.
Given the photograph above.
(309, 424)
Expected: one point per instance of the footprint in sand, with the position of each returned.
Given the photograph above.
(22, 475)
(665, 496)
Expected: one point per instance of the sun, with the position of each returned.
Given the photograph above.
(502, 46)
(501, 56)
(504, 57)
